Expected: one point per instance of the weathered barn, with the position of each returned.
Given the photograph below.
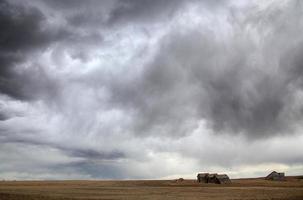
(202, 177)
(276, 176)
(213, 178)
(222, 179)
(180, 180)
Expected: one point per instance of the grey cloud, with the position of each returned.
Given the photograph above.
(120, 13)
(3, 116)
(146, 11)
(195, 76)
(68, 4)
(159, 100)
(69, 150)
(90, 154)
(79, 14)
(24, 29)
(29, 84)
(259, 100)
(77, 161)
(117, 13)
(97, 170)
(7, 114)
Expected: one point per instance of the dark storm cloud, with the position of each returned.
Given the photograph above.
(118, 12)
(68, 4)
(11, 137)
(93, 163)
(261, 101)
(95, 170)
(8, 114)
(195, 76)
(143, 11)
(180, 86)
(4, 115)
(158, 98)
(23, 30)
(93, 154)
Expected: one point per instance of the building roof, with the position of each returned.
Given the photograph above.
(203, 174)
(275, 174)
(222, 176)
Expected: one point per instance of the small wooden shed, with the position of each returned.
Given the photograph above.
(202, 177)
(222, 179)
(213, 178)
(276, 176)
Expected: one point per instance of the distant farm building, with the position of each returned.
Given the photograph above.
(213, 178)
(222, 178)
(179, 180)
(276, 176)
(202, 177)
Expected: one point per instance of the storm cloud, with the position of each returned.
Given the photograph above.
(119, 89)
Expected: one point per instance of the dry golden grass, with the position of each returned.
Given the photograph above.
(247, 189)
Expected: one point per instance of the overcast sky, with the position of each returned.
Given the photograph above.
(141, 89)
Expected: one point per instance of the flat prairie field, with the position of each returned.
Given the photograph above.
(247, 189)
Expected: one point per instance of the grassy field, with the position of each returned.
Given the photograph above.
(247, 189)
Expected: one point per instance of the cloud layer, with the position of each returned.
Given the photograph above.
(119, 89)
